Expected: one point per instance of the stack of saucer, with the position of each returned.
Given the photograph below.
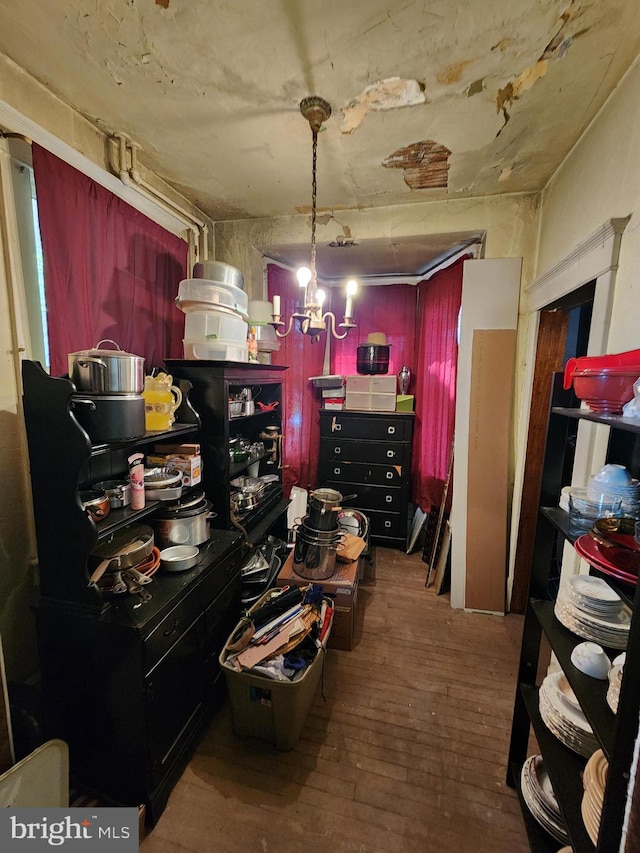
(594, 781)
(614, 481)
(540, 798)
(563, 716)
(590, 608)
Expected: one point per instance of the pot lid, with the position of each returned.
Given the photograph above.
(187, 500)
(97, 352)
(167, 513)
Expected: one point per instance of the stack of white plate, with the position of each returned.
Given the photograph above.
(563, 716)
(594, 781)
(628, 493)
(540, 798)
(613, 691)
(591, 609)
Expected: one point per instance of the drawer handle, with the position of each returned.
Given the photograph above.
(388, 498)
(390, 454)
(391, 430)
(337, 427)
(387, 524)
(337, 470)
(172, 631)
(389, 475)
(337, 451)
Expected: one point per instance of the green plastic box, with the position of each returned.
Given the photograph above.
(275, 711)
(404, 402)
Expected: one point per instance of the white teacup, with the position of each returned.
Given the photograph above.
(591, 659)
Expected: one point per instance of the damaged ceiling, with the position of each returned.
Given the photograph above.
(430, 100)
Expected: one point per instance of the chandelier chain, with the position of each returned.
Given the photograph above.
(314, 193)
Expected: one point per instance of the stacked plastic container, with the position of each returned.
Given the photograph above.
(260, 319)
(216, 309)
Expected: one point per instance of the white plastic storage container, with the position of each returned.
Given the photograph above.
(194, 294)
(215, 325)
(372, 384)
(215, 350)
(370, 402)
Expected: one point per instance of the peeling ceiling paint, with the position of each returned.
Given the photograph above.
(386, 95)
(425, 164)
(210, 90)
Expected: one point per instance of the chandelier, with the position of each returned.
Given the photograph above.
(310, 316)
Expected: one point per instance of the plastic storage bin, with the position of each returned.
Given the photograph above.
(215, 325)
(215, 350)
(274, 711)
(194, 294)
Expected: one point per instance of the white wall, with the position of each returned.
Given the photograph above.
(600, 180)
(510, 222)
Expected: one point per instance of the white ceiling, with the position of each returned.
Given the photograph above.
(431, 100)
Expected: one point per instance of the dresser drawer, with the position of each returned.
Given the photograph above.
(171, 629)
(373, 497)
(175, 623)
(361, 472)
(376, 452)
(384, 427)
(387, 524)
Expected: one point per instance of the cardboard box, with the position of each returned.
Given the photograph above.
(180, 449)
(191, 466)
(334, 393)
(333, 403)
(342, 588)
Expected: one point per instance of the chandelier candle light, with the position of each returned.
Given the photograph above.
(311, 319)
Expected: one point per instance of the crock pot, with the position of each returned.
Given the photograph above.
(372, 359)
(182, 525)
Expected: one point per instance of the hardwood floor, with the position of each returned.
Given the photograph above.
(407, 753)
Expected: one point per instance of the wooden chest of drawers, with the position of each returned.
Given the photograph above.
(369, 454)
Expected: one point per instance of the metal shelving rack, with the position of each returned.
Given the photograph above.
(616, 733)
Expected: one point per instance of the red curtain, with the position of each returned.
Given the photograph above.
(110, 272)
(301, 422)
(387, 308)
(439, 301)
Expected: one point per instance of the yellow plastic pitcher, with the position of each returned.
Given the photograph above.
(161, 399)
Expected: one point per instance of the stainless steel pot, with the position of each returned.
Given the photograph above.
(106, 371)
(313, 562)
(219, 272)
(118, 492)
(188, 526)
(243, 501)
(110, 418)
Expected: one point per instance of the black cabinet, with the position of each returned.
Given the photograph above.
(211, 385)
(127, 685)
(616, 733)
(369, 454)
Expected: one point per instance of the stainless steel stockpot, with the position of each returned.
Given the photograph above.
(106, 371)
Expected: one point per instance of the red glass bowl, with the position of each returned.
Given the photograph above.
(605, 390)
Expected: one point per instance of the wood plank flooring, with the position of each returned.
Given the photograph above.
(407, 753)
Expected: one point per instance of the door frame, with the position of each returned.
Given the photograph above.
(595, 259)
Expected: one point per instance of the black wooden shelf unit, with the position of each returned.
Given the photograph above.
(129, 686)
(616, 733)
